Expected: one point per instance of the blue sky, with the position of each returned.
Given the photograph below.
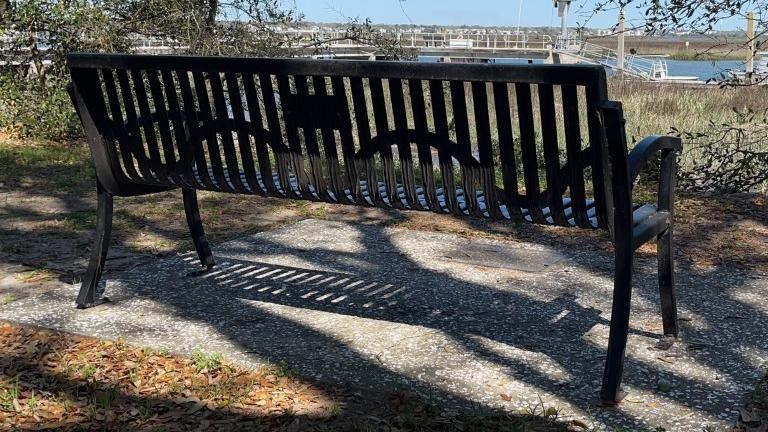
(454, 12)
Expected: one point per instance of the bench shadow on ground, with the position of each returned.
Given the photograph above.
(390, 287)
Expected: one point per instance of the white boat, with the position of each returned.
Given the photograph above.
(759, 69)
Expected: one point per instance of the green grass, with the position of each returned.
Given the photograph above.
(52, 165)
(283, 369)
(7, 299)
(9, 391)
(105, 399)
(207, 362)
(87, 371)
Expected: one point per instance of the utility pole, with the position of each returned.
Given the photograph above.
(750, 67)
(620, 48)
(519, 13)
(562, 11)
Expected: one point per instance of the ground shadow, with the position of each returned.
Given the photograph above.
(501, 327)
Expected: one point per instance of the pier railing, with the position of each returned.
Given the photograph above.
(641, 67)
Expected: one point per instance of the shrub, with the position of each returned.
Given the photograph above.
(29, 108)
(728, 157)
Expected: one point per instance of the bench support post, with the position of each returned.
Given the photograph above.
(665, 244)
(87, 295)
(611, 392)
(618, 184)
(664, 251)
(192, 210)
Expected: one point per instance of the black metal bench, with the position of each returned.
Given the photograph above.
(535, 143)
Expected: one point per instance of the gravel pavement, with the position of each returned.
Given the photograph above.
(461, 321)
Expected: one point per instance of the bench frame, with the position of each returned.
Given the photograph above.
(620, 171)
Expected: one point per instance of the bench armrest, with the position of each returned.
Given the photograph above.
(644, 150)
(649, 146)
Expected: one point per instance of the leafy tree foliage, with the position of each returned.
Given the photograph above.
(730, 156)
(209, 26)
(36, 35)
(700, 16)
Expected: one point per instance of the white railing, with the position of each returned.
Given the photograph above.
(642, 67)
(418, 40)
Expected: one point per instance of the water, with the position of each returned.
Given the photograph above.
(701, 69)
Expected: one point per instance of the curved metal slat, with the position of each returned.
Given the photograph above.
(135, 142)
(469, 173)
(423, 145)
(243, 138)
(288, 105)
(364, 136)
(347, 141)
(385, 149)
(119, 126)
(507, 150)
(397, 98)
(485, 149)
(192, 129)
(161, 119)
(89, 88)
(208, 134)
(595, 95)
(182, 140)
(146, 124)
(554, 198)
(227, 143)
(275, 133)
(574, 153)
(325, 123)
(444, 147)
(309, 127)
(528, 151)
(267, 184)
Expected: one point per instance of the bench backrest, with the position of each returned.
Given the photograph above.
(501, 141)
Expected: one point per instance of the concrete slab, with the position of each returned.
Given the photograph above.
(511, 256)
(383, 309)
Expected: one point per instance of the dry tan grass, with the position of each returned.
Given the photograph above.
(703, 48)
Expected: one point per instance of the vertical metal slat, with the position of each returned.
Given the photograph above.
(424, 143)
(464, 150)
(485, 148)
(507, 150)
(445, 148)
(206, 118)
(551, 154)
(397, 97)
(243, 138)
(260, 139)
(528, 151)
(574, 153)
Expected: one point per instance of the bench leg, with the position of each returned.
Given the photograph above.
(87, 296)
(665, 255)
(611, 393)
(196, 228)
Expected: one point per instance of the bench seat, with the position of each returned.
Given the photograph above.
(641, 213)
